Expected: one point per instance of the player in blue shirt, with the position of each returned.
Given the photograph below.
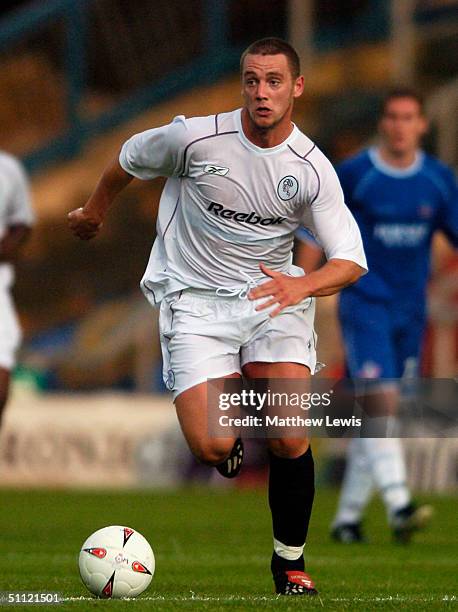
(399, 196)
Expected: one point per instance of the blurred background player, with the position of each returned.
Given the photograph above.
(400, 196)
(16, 219)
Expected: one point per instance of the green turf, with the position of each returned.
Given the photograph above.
(213, 549)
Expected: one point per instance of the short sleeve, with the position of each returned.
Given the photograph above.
(18, 198)
(448, 218)
(328, 217)
(155, 152)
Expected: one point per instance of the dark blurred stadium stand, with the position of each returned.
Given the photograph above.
(78, 76)
(72, 69)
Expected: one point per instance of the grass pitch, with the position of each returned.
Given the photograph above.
(213, 551)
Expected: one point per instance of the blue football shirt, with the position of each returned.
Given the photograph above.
(398, 211)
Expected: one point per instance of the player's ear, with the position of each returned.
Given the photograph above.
(299, 87)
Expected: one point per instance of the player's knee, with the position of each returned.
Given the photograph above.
(288, 448)
(212, 452)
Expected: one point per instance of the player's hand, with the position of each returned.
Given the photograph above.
(83, 224)
(283, 290)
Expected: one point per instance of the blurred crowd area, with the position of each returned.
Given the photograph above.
(79, 77)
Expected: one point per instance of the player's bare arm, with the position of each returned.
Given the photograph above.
(11, 243)
(287, 290)
(87, 221)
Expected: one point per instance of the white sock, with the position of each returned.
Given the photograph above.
(357, 485)
(386, 461)
(290, 553)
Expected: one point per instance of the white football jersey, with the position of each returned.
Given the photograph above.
(229, 205)
(15, 204)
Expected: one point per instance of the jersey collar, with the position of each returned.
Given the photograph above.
(261, 150)
(385, 168)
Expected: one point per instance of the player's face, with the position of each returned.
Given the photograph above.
(269, 89)
(402, 126)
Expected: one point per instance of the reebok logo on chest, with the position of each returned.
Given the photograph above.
(251, 218)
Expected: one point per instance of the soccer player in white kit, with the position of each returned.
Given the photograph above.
(16, 219)
(239, 184)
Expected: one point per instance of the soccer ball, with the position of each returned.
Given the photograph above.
(116, 562)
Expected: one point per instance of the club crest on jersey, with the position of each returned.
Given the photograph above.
(170, 381)
(214, 169)
(370, 369)
(287, 187)
(425, 210)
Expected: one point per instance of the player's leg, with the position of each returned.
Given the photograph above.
(10, 336)
(385, 454)
(368, 349)
(4, 388)
(192, 411)
(386, 459)
(356, 490)
(291, 473)
(195, 348)
(379, 448)
(404, 515)
(372, 462)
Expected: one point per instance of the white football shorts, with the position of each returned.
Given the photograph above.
(204, 335)
(10, 332)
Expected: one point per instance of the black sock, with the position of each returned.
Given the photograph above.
(278, 565)
(291, 492)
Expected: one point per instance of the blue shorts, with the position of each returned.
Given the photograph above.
(381, 339)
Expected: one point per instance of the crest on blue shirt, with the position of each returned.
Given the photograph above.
(370, 369)
(425, 210)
